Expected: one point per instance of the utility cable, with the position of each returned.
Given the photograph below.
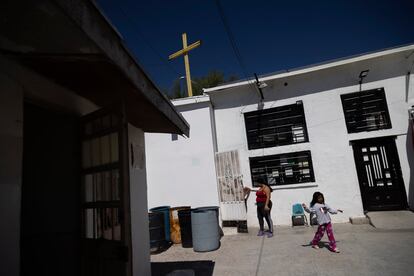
(133, 23)
(233, 43)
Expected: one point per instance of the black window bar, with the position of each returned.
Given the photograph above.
(283, 169)
(276, 126)
(366, 111)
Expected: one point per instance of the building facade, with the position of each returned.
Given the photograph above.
(342, 128)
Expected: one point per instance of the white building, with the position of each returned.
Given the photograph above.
(316, 129)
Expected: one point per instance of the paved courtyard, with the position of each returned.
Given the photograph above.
(365, 250)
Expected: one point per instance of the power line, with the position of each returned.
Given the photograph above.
(233, 43)
(133, 22)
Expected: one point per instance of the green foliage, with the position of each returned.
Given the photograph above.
(213, 78)
(176, 91)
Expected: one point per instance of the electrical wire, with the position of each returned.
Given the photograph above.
(133, 23)
(234, 46)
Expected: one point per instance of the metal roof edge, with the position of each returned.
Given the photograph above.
(117, 52)
(316, 67)
(191, 100)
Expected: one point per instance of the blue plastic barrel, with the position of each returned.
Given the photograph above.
(166, 211)
(205, 229)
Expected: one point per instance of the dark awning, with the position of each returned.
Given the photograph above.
(71, 43)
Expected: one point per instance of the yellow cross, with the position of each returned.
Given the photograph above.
(184, 51)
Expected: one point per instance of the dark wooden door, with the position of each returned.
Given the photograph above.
(50, 225)
(379, 174)
(106, 239)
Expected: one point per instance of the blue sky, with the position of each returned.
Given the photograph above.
(270, 35)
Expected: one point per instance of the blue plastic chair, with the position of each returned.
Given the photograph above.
(298, 215)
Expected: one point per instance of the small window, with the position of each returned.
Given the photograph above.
(283, 169)
(276, 126)
(366, 111)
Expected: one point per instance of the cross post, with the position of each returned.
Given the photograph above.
(184, 52)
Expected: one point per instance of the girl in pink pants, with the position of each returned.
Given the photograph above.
(322, 211)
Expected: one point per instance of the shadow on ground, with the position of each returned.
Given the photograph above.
(200, 268)
(321, 244)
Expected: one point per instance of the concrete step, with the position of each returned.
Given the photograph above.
(392, 219)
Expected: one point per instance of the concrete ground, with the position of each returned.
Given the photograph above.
(365, 250)
(392, 219)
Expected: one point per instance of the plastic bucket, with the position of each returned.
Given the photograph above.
(205, 229)
(184, 217)
(175, 223)
(156, 229)
(166, 211)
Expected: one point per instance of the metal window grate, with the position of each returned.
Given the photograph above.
(366, 111)
(283, 169)
(229, 177)
(101, 189)
(276, 126)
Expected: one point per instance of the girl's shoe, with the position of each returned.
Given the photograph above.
(335, 250)
(260, 233)
(269, 234)
(315, 246)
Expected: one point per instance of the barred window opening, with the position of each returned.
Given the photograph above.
(276, 126)
(283, 169)
(366, 111)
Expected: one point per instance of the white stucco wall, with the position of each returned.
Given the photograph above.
(182, 172)
(139, 209)
(329, 142)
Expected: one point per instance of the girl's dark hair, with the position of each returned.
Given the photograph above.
(264, 181)
(315, 198)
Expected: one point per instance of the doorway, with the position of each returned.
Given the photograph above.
(105, 215)
(50, 224)
(379, 174)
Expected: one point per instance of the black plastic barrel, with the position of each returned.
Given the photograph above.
(184, 216)
(166, 211)
(157, 230)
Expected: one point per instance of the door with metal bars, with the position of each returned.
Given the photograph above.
(230, 186)
(106, 240)
(379, 174)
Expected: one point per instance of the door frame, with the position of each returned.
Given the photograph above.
(117, 109)
(395, 175)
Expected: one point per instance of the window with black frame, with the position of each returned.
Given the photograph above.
(276, 126)
(283, 169)
(366, 111)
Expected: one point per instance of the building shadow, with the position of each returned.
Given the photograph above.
(160, 248)
(200, 268)
(410, 156)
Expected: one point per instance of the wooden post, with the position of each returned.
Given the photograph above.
(184, 52)
(187, 67)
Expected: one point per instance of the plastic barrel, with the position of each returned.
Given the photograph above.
(157, 230)
(175, 224)
(205, 230)
(184, 217)
(212, 208)
(166, 211)
(216, 209)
